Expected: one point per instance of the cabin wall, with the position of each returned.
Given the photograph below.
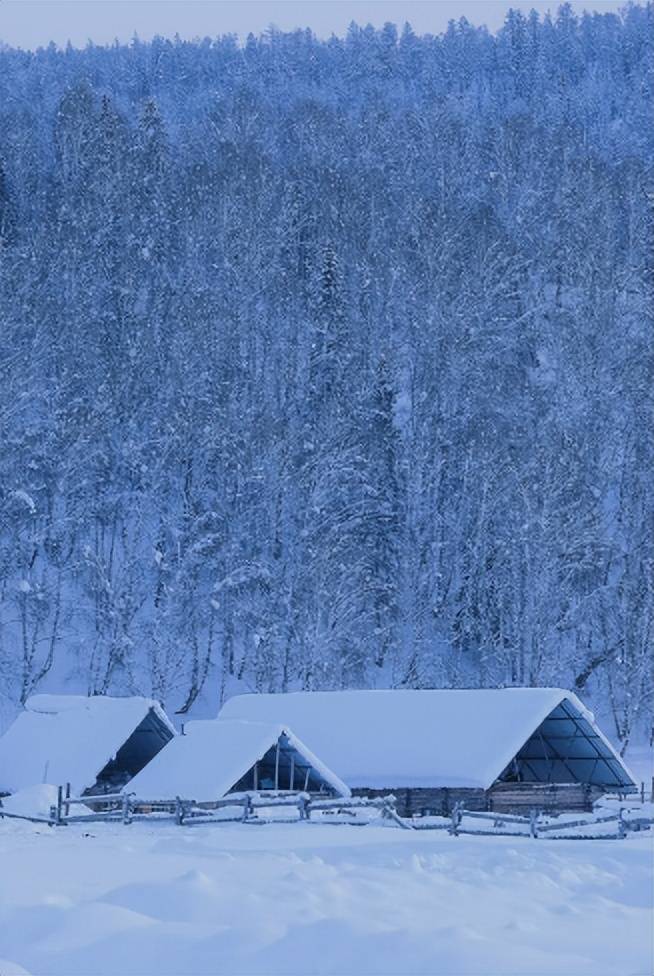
(502, 798)
(548, 797)
(423, 801)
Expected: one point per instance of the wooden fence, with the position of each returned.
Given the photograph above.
(127, 807)
(249, 806)
(539, 825)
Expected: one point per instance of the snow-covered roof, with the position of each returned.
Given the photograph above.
(212, 756)
(69, 738)
(440, 738)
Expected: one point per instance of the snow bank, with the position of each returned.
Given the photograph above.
(33, 801)
(302, 900)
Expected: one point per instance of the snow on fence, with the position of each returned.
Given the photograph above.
(249, 807)
(539, 825)
(127, 807)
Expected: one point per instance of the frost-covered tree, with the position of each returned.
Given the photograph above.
(330, 363)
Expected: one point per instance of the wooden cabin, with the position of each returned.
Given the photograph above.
(214, 758)
(96, 744)
(506, 749)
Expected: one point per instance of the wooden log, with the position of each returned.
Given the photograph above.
(261, 800)
(489, 833)
(144, 817)
(50, 821)
(426, 801)
(617, 836)
(622, 827)
(208, 819)
(303, 804)
(353, 801)
(639, 823)
(499, 817)
(127, 809)
(93, 817)
(568, 825)
(247, 808)
(456, 820)
(96, 798)
(254, 800)
(562, 797)
(430, 826)
(235, 800)
(268, 820)
(343, 823)
(389, 813)
(163, 802)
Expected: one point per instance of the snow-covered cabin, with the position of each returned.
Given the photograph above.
(215, 757)
(96, 744)
(493, 749)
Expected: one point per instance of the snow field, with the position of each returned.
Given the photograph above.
(286, 899)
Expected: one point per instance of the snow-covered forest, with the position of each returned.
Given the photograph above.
(329, 363)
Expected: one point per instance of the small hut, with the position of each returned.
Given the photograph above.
(96, 744)
(501, 749)
(214, 758)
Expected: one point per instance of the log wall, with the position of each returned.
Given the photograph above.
(502, 797)
(424, 801)
(548, 797)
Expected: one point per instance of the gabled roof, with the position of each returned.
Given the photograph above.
(440, 738)
(212, 756)
(70, 738)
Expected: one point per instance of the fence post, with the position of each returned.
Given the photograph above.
(247, 807)
(60, 793)
(67, 805)
(533, 823)
(642, 791)
(456, 819)
(127, 813)
(622, 826)
(179, 812)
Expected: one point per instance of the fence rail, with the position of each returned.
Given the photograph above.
(540, 826)
(126, 807)
(248, 806)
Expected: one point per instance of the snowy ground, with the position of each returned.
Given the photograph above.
(312, 898)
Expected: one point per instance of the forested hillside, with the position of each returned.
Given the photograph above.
(329, 363)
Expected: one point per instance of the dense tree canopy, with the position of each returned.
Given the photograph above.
(329, 363)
